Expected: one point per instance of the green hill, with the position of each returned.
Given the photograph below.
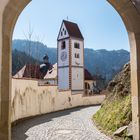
(116, 110)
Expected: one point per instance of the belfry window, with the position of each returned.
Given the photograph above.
(63, 45)
(77, 45)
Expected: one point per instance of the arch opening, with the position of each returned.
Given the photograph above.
(9, 15)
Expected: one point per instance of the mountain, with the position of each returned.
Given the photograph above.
(106, 63)
(101, 62)
(35, 49)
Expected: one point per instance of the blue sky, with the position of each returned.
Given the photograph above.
(99, 22)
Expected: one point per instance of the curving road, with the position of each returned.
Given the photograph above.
(73, 124)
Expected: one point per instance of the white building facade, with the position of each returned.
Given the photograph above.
(70, 57)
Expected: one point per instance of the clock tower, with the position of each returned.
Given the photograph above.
(70, 45)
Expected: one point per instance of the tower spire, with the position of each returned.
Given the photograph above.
(67, 18)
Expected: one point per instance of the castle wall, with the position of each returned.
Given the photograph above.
(28, 99)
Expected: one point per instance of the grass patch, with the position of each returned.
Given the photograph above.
(114, 114)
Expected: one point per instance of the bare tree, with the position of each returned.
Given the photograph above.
(29, 36)
(38, 40)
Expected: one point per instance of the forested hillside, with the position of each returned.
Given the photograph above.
(19, 59)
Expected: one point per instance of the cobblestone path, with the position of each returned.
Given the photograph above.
(73, 124)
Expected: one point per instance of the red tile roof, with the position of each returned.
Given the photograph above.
(32, 71)
(73, 29)
(88, 76)
(29, 71)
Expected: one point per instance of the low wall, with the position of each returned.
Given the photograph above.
(29, 99)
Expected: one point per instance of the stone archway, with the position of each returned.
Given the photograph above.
(129, 10)
(9, 12)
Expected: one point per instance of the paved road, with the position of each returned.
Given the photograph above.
(73, 124)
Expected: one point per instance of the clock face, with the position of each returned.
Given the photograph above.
(63, 56)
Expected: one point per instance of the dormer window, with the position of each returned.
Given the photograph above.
(76, 45)
(63, 45)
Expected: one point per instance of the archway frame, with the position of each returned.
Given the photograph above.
(9, 12)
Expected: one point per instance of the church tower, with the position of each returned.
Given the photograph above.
(70, 45)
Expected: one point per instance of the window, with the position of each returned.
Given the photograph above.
(63, 46)
(77, 55)
(87, 86)
(65, 32)
(61, 33)
(77, 45)
(77, 75)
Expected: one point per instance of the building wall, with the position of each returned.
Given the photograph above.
(60, 62)
(77, 78)
(80, 51)
(77, 65)
(47, 82)
(28, 99)
(52, 81)
(63, 67)
(63, 78)
(90, 82)
(63, 29)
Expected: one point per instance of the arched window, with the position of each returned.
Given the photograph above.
(87, 86)
(63, 45)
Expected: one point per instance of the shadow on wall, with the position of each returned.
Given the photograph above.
(22, 127)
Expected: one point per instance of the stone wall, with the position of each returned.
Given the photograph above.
(29, 99)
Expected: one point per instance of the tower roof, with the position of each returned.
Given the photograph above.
(73, 29)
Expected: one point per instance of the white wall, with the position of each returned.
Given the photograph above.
(77, 73)
(77, 78)
(61, 30)
(60, 62)
(90, 82)
(80, 51)
(52, 81)
(28, 99)
(63, 78)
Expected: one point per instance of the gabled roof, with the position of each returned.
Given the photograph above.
(73, 29)
(52, 73)
(32, 71)
(29, 71)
